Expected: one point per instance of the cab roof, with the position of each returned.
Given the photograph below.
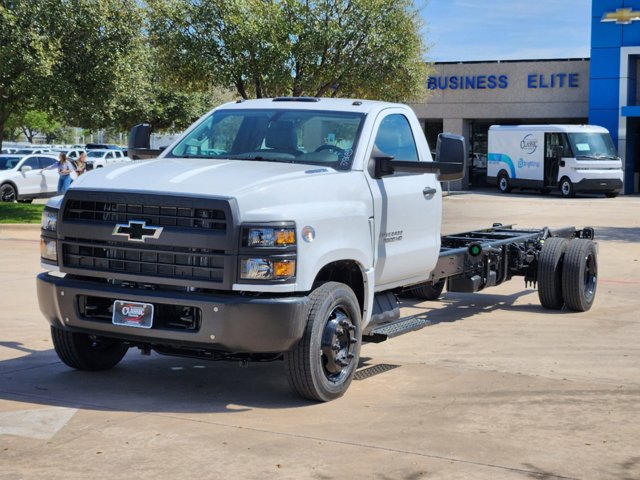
(312, 103)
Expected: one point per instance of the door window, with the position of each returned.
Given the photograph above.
(395, 138)
(31, 162)
(46, 162)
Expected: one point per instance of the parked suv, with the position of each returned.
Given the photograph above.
(24, 178)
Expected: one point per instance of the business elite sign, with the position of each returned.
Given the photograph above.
(502, 81)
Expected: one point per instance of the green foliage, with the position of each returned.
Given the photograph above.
(20, 212)
(359, 48)
(29, 52)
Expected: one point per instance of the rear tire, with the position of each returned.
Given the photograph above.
(321, 366)
(84, 352)
(8, 193)
(566, 188)
(550, 273)
(580, 275)
(503, 183)
(611, 194)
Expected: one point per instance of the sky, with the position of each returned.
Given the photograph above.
(467, 30)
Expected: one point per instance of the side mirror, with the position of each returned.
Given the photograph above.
(450, 164)
(25, 169)
(140, 136)
(139, 143)
(451, 157)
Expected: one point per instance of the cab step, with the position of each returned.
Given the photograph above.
(395, 329)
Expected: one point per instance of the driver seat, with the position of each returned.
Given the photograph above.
(281, 136)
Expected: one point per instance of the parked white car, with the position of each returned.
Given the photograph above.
(8, 150)
(25, 177)
(31, 150)
(102, 158)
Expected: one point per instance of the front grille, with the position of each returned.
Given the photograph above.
(159, 215)
(156, 261)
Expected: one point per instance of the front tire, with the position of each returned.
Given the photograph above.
(611, 194)
(321, 366)
(85, 352)
(566, 188)
(503, 183)
(580, 275)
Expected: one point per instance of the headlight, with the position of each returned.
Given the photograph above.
(267, 269)
(48, 249)
(268, 237)
(49, 220)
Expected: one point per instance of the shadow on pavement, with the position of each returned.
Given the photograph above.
(146, 384)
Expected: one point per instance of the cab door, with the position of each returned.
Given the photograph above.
(407, 207)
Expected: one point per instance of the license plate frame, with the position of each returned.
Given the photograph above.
(132, 314)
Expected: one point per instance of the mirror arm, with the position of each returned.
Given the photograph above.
(388, 166)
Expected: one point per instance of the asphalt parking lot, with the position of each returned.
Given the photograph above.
(494, 388)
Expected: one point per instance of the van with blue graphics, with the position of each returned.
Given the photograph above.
(571, 158)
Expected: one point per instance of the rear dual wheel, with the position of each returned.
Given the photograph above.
(567, 274)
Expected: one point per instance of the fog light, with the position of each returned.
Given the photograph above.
(48, 249)
(267, 269)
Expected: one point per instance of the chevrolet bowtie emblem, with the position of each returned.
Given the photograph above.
(137, 231)
(622, 16)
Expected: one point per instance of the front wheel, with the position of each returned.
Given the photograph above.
(503, 183)
(87, 352)
(566, 188)
(611, 194)
(321, 366)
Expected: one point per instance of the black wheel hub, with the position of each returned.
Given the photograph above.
(338, 344)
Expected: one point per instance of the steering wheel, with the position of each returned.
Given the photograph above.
(338, 150)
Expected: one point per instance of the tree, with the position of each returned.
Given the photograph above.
(29, 52)
(36, 121)
(361, 48)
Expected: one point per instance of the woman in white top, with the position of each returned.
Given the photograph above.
(65, 167)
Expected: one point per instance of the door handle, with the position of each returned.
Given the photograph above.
(427, 191)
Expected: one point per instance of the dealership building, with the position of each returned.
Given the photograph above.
(468, 97)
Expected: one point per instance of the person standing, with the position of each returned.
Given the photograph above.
(65, 167)
(81, 164)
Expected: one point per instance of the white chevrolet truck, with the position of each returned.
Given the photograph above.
(279, 229)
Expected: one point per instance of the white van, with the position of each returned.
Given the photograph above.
(572, 158)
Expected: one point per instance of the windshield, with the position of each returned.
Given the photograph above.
(593, 145)
(95, 154)
(294, 136)
(7, 163)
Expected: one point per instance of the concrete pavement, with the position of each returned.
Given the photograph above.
(495, 388)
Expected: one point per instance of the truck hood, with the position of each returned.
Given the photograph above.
(198, 177)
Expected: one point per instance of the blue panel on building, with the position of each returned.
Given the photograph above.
(605, 62)
(631, 34)
(603, 92)
(600, 7)
(631, 111)
(607, 34)
(607, 118)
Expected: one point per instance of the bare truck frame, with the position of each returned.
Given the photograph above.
(562, 262)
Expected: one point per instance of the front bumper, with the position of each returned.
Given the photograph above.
(598, 185)
(229, 323)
